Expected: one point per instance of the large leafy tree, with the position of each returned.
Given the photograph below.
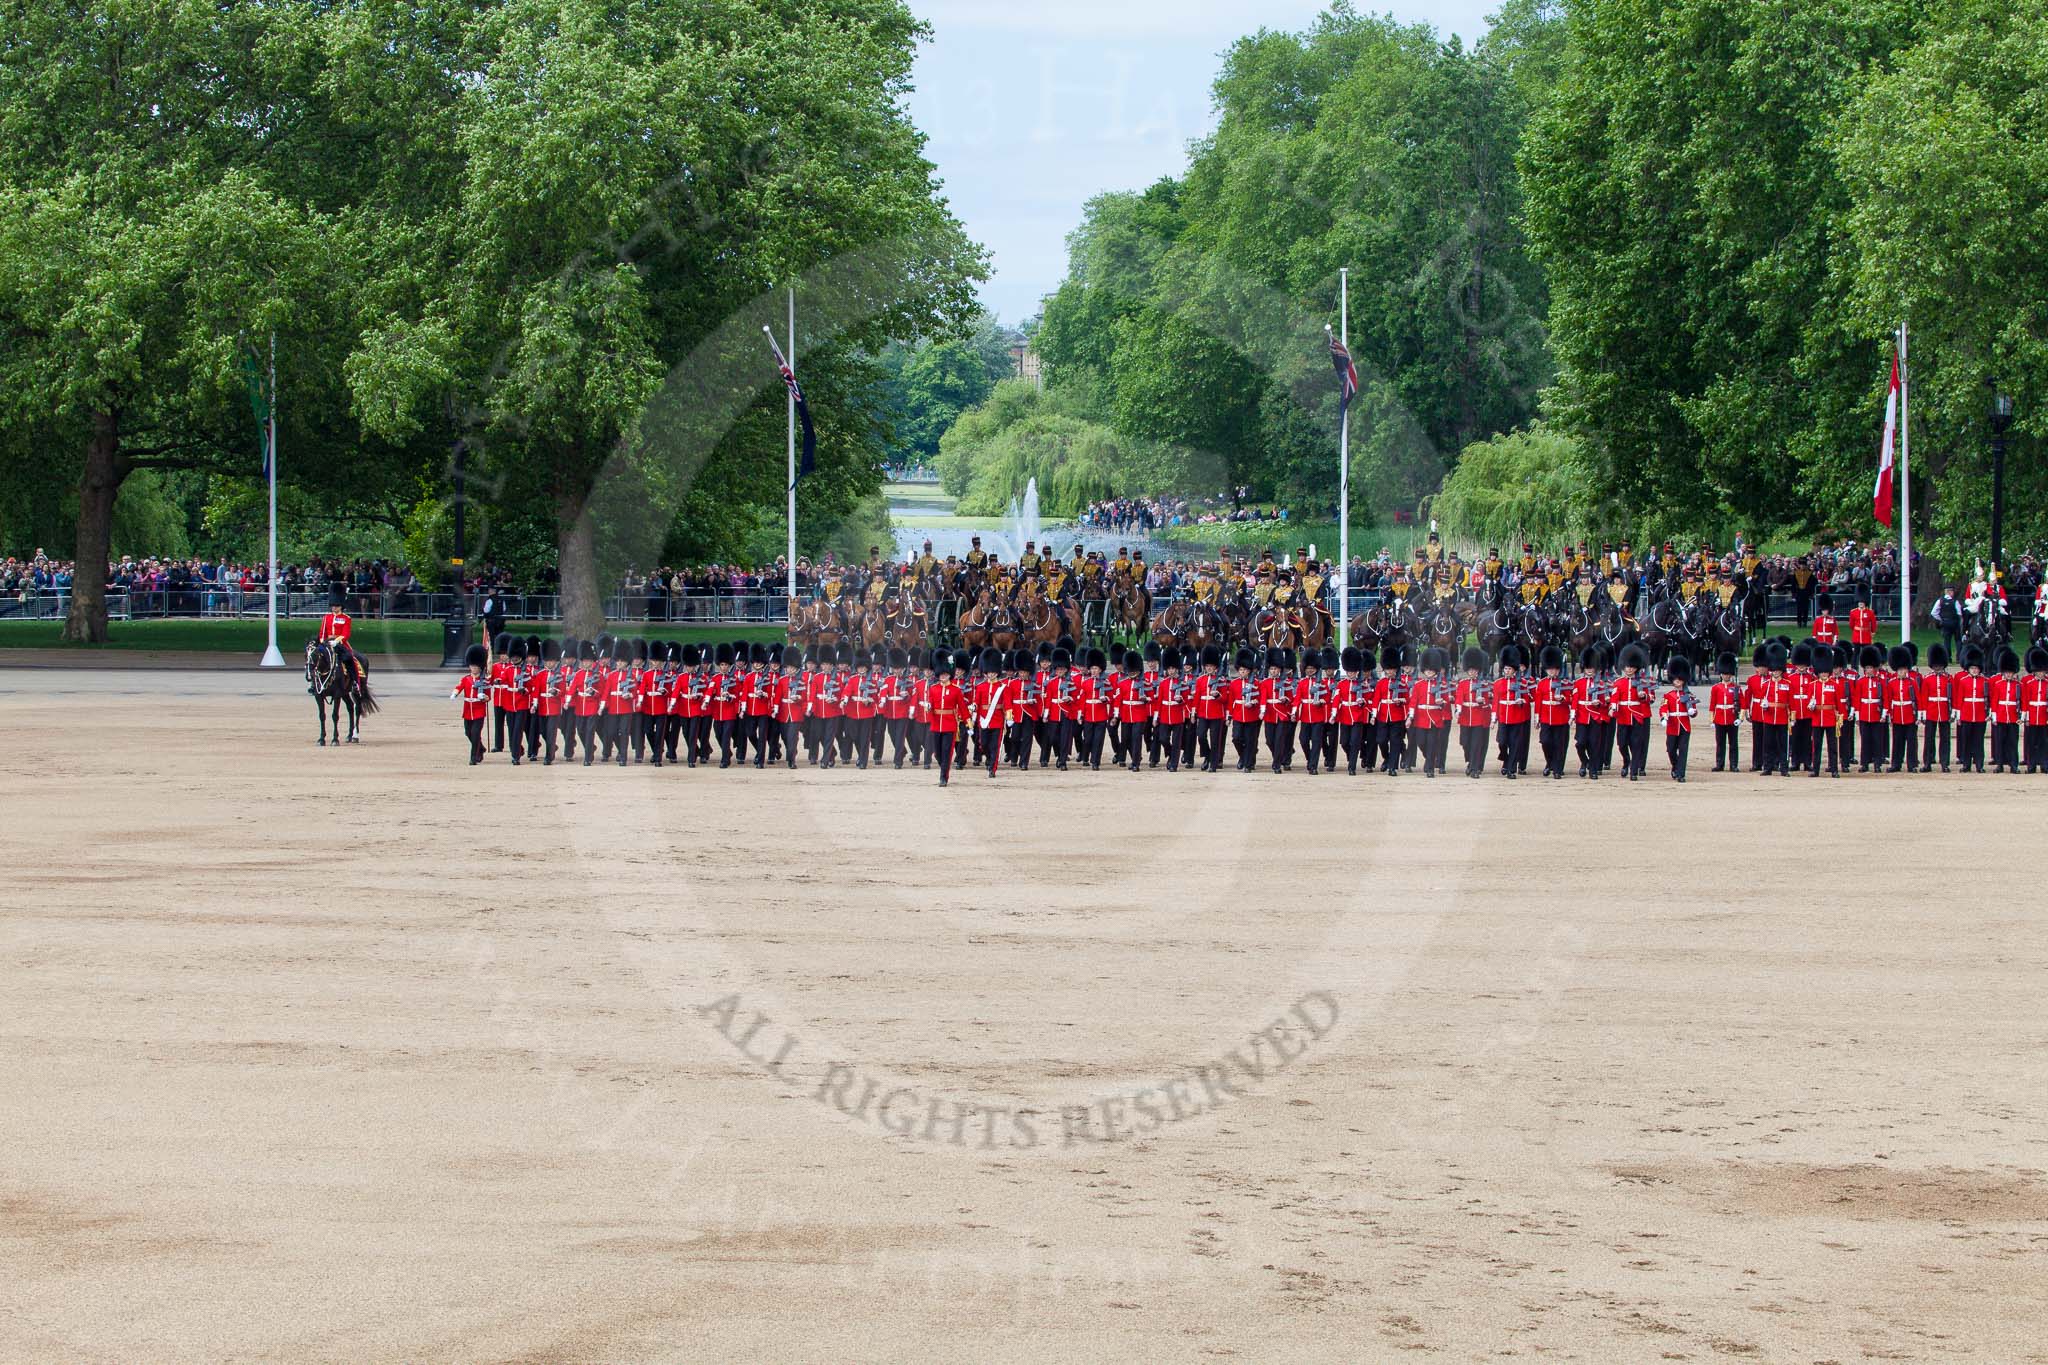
(1684, 196)
(1945, 162)
(1195, 309)
(180, 182)
(640, 180)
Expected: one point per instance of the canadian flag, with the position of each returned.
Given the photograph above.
(1881, 497)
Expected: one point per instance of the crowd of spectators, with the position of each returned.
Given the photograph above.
(1136, 516)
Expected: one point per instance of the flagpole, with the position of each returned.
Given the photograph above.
(1905, 493)
(1344, 475)
(791, 400)
(271, 657)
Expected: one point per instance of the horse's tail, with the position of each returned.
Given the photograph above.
(366, 700)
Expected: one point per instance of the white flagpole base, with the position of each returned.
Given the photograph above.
(272, 659)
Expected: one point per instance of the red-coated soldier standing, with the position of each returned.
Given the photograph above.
(1829, 707)
(470, 690)
(1971, 697)
(544, 703)
(1276, 708)
(1472, 712)
(1676, 708)
(1172, 712)
(1867, 702)
(1312, 708)
(1212, 708)
(1245, 713)
(1862, 625)
(1390, 711)
(1429, 712)
(1902, 709)
(947, 701)
(2034, 710)
(1133, 706)
(1354, 704)
(1937, 708)
(2005, 714)
(1553, 712)
(1512, 711)
(1724, 707)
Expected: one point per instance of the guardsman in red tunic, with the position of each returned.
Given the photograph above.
(947, 704)
(1825, 628)
(724, 699)
(759, 722)
(1830, 707)
(1553, 712)
(1429, 712)
(1059, 707)
(1724, 706)
(673, 725)
(1390, 710)
(1971, 698)
(1677, 708)
(1171, 711)
(991, 703)
(544, 702)
(335, 627)
(1092, 705)
(1242, 704)
(699, 696)
(470, 690)
(821, 708)
(1902, 708)
(2005, 714)
(1771, 713)
(1867, 701)
(513, 698)
(1862, 625)
(1593, 722)
(500, 672)
(1312, 708)
(920, 727)
(787, 699)
(1937, 710)
(1472, 712)
(1132, 705)
(1276, 708)
(621, 686)
(1512, 695)
(895, 698)
(650, 702)
(1354, 702)
(585, 696)
(2034, 710)
(1799, 735)
(1212, 708)
(1632, 700)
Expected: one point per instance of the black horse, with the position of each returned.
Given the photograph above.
(338, 679)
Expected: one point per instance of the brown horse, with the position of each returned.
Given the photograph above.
(1130, 606)
(975, 622)
(1171, 626)
(1037, 623)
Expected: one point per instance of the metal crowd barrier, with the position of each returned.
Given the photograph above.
(687, 608)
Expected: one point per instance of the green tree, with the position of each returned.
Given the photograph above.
(1945, 161)
(640, 181)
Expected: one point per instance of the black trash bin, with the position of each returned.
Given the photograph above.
(454, 639)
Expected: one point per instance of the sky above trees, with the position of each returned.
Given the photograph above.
(1033, 109)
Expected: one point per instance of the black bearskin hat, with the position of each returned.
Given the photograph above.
(476, 656)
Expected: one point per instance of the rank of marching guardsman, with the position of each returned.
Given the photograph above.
(1814, 707)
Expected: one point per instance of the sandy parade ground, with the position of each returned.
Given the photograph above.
(363, 1054)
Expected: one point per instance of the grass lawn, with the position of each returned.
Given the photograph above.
(918, 495)
(376, 637)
